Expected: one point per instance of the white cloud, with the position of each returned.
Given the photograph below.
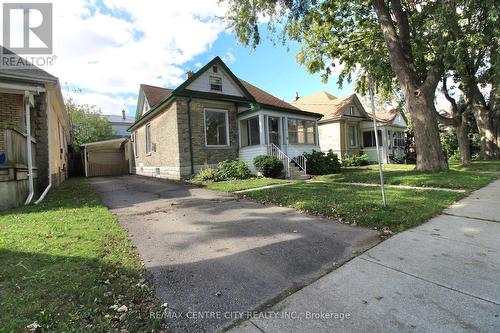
(109, 51)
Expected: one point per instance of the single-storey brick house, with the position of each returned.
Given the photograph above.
(32, 118)
(347, 129)
(215, 116)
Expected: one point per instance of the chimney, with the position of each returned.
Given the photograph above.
(123, 115)
(189, 74)
(296, 96)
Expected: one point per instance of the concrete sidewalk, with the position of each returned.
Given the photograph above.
(443, 276)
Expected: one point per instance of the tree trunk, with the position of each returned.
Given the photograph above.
(463, 140)
(430, 155)
(488, 145)
(419, 95)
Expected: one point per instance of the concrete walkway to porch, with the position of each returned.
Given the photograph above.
(442, 276)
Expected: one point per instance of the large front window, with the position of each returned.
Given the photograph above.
(250, 132)
(301, 131)
(216, 128)
(399, 139)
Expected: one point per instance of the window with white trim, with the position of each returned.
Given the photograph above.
(215, 83)
(149, 143)
(369, 138)
(216, 127)
(134, 140)
(145, 106)
(301, 131)
(351, 110)
(399, 139)
(353, 136)
(250, 132)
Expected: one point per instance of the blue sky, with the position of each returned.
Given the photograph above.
(106, 48)
(270, 67)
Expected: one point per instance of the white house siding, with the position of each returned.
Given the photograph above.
(329, 137)
(247, 154)
(295, 150)
(202, 83)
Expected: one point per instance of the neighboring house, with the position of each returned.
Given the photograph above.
(31, 110)
(347, 129)
(215, 116)
(120, 124)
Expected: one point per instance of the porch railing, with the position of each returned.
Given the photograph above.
(301, 162)
(273, 150)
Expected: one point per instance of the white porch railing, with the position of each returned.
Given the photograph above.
(273, 150)
(300, 160)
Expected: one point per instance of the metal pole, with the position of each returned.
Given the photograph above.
(372, 99)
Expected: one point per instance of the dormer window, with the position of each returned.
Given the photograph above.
(215, 83)
(215, 69)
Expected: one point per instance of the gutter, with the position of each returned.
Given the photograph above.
(190, 135)
(49, 151)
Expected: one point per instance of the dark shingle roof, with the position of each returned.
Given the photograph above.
(265, 98)
(155, 94)
(24, 70)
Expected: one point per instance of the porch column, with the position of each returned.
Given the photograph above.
(262, 129)
(316, 135)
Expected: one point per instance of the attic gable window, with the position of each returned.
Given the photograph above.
(351, 110)
(215, 69)
(145, 106)
(215, 83)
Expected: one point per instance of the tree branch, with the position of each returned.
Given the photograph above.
(400, 64)
(433, 75)
(404, 28)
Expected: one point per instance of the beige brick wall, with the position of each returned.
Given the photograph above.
(164, 136)
(203, 155)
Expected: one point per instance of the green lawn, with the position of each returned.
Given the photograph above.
(245, 184)
(363, 205)
(491, 166)
(63, 263)
(447, 179)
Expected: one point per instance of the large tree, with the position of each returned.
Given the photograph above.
(473, 60)
(386, 39)
(87, 124)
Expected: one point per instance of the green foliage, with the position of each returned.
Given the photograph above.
(269, 166)
(245, 184)
(357, 160)
(319, 163)
(207, 174)
(232, 170)
(87, 124)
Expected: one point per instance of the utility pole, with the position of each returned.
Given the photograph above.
(372, 98)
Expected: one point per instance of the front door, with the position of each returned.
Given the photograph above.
(274, 130)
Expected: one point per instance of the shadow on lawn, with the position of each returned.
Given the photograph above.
(66, 293)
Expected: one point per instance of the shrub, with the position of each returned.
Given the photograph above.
(269, 166)
(232, 170)
(319, 163)
(359, 160)
(207, 174)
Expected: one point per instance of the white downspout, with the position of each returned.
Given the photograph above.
(27, 104)
(49, 111)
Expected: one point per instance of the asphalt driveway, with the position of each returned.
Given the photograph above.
(214, 256)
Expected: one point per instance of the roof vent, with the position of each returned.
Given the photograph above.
(189, 74)
(123, 115)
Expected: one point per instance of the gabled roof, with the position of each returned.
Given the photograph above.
(27, 71)
(252, 94)
(328, 105)
(265, 98)
(387, 116)
(155, 94)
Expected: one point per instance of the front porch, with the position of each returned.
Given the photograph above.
(282, 134)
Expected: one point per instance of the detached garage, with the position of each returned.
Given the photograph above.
(106, 158)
